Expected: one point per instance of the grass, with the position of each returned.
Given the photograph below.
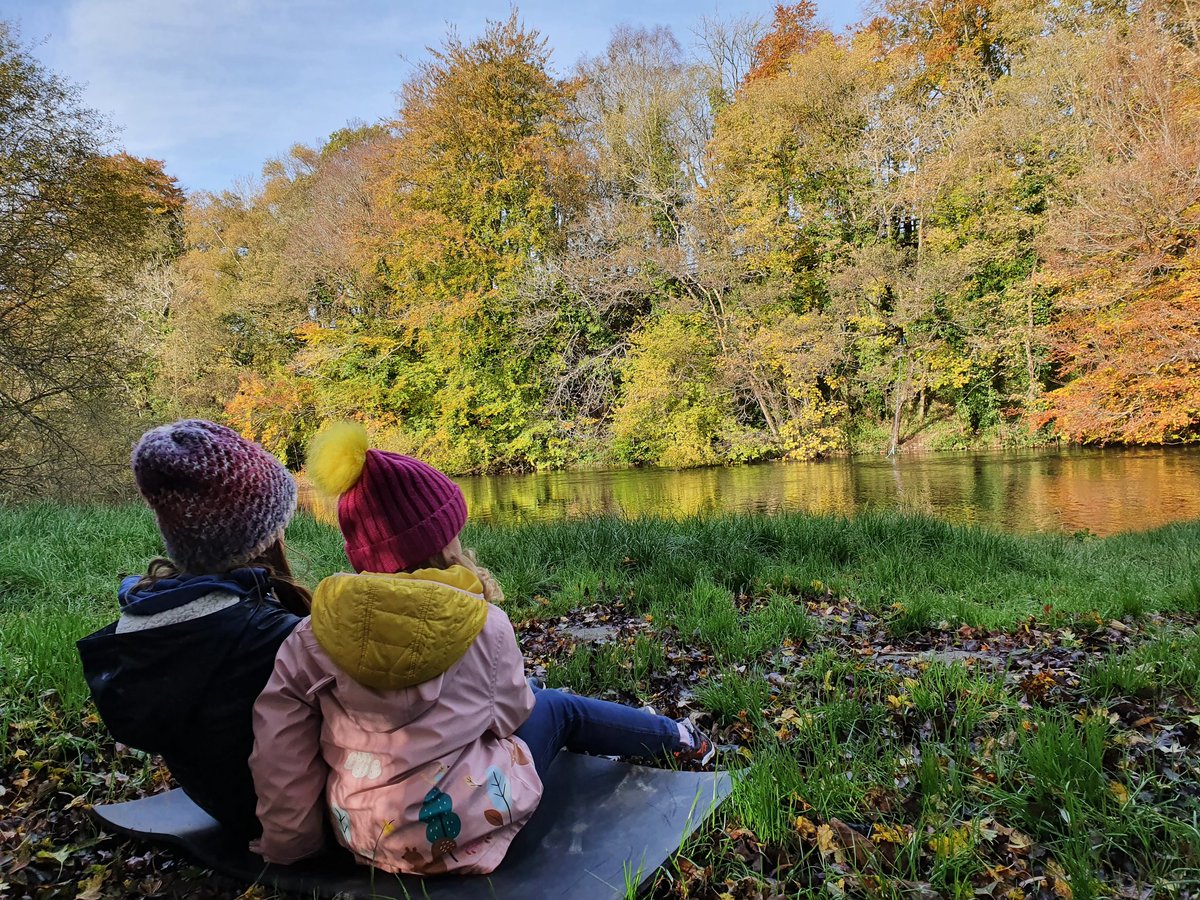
(940, 571)
(58, 566)
(1168, 663)
(592, 670)
(958, 775)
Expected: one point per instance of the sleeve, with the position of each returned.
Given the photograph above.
(512, 700)
(289, 772)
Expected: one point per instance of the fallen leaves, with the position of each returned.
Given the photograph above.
(893, 842)
(51, 848)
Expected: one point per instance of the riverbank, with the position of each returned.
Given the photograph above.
(1048, 489)
(926, 709)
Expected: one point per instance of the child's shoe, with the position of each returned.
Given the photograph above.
(701, 750)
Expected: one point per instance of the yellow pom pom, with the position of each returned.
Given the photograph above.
(336, 457)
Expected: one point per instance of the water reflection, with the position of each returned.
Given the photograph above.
(1104, 491)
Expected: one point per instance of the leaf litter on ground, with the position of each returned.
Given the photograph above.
(955, 704)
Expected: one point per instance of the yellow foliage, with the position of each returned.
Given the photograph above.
(814, 430)
(1119, 792)
(891, 834)
(952, 842)
(336, 457)
(947, 369)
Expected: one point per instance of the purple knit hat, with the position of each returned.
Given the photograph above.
(220, 499)
(399, 513)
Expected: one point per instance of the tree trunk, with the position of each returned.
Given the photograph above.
(900, 386)
(1030, 368)
(760, 397)
(717, 311)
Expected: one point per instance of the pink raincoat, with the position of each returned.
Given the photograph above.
(394, 709)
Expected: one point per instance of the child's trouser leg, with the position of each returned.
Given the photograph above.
(593, 726)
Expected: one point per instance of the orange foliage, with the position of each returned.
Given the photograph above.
(793, 30)
(1135, 368)
(277, 411)
(941, 35)
(1127, 254)
(145, 180)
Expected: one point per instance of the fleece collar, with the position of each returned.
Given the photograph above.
(395, 631)
(172, 593)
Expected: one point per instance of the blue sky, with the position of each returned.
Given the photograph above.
(215, 87)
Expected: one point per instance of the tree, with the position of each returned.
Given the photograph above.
(793, 31)
(77, 225)
(484, 177)
(1126, 257)
(788, 244)
(728, 53)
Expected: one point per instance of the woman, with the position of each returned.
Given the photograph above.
(178, 673)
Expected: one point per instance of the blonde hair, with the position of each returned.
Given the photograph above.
(459, 555)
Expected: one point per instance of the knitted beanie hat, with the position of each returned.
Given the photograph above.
(220, 499)
(394, 511)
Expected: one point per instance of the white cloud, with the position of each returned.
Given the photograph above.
(215, 87)
(203, 82)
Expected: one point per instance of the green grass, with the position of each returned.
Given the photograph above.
(733, 694)
(832, 736)
(939, 571)
(1166, 664)
(611, 667)
(58, 568)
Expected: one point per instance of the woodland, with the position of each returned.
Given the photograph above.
(958, 223)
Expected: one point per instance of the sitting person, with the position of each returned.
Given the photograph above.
(401, 706)
(178, 673)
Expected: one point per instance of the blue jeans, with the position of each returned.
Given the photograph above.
(586, 725)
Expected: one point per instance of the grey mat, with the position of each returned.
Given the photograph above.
(601, 825)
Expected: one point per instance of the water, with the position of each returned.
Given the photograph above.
(1104, 491)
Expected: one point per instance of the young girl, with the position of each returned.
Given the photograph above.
(402, 703)
(178, 673)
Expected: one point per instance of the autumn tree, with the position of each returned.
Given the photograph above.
(78, 222)
(793, 30)
(332, 305)
(484, 177)
(632, 255)
(1126, 257)
(786, 243)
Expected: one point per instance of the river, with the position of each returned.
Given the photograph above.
(1103, 491)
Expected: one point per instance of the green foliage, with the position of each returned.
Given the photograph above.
(947, 766)
(686, 575)
(615, 666)
(1167, 665)
(671, 412)
(943, 228)
(732, 695)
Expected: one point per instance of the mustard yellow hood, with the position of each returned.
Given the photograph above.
(394, 631)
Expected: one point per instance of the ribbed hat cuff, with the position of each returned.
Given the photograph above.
(413, 545)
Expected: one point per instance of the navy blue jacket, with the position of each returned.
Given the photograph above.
(185, 691)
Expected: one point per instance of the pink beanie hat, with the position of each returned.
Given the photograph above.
(394, 511)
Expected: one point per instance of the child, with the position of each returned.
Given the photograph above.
(179, 672)
(403, 701)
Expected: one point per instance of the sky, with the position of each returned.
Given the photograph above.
(214, 88)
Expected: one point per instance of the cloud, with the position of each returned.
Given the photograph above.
(216, 87)
(203, 82)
